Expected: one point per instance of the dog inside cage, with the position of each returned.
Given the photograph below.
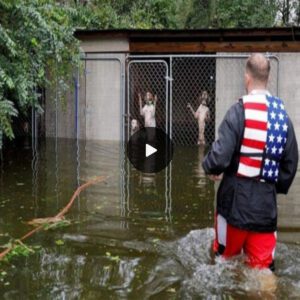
(178, 94)
(147, 95)
(193, 100)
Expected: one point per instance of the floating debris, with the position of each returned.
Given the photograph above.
(59, 242)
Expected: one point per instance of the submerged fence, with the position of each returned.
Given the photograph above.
(182, 83)
(105, 102)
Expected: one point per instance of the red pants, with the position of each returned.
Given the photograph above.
(259, 247)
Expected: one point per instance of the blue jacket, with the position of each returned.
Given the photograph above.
(247, 203)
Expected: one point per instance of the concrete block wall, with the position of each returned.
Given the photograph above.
(102, 90)
(229, 85)
(100, 95)
(230, 82)
(289, 86)
(104, 96)
(289, 91)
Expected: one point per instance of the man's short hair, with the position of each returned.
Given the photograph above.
(259, 67)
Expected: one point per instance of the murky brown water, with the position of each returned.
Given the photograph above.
(133, 237)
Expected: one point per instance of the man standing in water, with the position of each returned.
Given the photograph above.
(258, 155)
(202, 115)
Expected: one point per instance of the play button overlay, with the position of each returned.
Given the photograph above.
(150, 150)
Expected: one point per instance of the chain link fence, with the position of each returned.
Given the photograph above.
(193, 91)
(147, 77)
(193, 85)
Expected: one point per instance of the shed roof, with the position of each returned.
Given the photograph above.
(278, 39)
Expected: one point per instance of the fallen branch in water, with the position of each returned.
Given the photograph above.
(51, 220)
(43, 221)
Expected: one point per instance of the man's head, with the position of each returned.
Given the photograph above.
(257, 72)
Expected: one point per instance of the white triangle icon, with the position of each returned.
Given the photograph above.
(150, 150)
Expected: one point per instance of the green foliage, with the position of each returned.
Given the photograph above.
(59, 242)
(245, 13)
(226, 13)
(151, 14)
(18, 249)
(145, 14)
(142, 14)
(38, 49)
(93, 17)
(7, 110)
(195, 14)
(36, 43)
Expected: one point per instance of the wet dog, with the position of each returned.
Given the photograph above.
(134, 126)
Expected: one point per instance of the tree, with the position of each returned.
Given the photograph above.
(246, 13)
(36, 39)
(226, 13)
(143, 14)
(288, 12)
(196, 14)
(37, 42)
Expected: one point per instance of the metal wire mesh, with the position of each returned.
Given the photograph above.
(147, 76)
(191, 77)
(217, 78)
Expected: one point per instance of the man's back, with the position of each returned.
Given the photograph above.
(257, 152)
(247, 203)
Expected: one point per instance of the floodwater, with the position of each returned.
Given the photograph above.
(134, 236)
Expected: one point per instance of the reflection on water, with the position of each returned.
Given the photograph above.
(135, 236)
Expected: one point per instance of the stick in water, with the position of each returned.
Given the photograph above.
(56, 218)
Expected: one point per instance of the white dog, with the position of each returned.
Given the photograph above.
(148, 111)
(134, 126)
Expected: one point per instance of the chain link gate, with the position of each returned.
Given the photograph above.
(181, 81)
(147, 76)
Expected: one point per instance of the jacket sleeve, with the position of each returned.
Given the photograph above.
(289, 162)
(223, 149)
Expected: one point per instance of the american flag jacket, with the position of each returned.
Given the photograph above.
(246, 197)
(264, 138)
